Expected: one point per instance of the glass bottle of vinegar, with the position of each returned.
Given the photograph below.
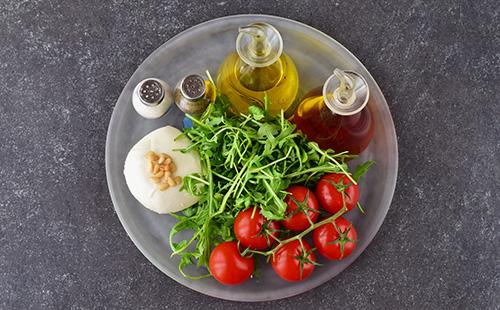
(258, 68)
(336, 116)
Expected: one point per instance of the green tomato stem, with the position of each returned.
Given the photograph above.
(299, 236)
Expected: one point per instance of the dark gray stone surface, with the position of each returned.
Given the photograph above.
(64, 63)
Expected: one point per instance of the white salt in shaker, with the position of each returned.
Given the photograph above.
(152, 98)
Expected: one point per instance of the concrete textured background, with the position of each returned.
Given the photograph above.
(63, 65)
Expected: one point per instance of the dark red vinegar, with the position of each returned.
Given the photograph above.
(351, 133)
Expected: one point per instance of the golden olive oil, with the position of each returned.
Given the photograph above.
(258, 68)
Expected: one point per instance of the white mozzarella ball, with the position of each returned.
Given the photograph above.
(138, 177)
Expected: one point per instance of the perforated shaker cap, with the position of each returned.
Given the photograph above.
(151, 92)
(193, 87)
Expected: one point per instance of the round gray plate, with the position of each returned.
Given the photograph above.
(203, 47)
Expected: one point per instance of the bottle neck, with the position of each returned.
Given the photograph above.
(259, 78)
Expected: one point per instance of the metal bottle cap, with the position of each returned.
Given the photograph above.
(151, 92)
(190, 94)
(346, 92)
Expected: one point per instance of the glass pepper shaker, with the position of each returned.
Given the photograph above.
(193, 94)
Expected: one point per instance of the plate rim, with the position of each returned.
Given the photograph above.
(110, 180)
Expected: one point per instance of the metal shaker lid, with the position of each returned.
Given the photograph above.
(151, 92)
(346, 92)
(193, 87)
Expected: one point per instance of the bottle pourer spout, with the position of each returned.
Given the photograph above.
(344, 91)
(259, 44)
(253, 30)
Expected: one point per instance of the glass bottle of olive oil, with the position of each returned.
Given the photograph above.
(258, 67)
(337, 115)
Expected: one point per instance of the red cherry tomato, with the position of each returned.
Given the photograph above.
(292, 262)
(335, 241)
(329, 192)
(301, 203)
(228, 266)
(253, 230)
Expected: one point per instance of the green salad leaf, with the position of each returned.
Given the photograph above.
(246, 160)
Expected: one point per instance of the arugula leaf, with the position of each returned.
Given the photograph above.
(247, 160)
(362, 169)
(256, 112)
